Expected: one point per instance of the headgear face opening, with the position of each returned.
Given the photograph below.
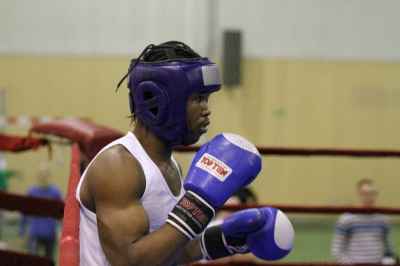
(159, 90)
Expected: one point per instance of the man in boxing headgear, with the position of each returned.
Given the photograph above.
(134, 207)
(159, 90)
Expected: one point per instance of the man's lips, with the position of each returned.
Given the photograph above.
(204, 127)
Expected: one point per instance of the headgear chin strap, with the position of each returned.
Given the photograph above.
(159, 90)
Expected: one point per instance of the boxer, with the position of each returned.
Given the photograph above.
(134, 207)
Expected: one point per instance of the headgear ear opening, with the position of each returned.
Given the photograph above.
(152, 102)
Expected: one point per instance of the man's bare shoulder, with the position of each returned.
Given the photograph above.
(115, 173)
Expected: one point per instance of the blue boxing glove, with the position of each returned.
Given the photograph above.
(222, 166)
(265, 232)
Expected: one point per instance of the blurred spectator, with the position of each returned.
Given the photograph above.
(363, 238)
(42, 230)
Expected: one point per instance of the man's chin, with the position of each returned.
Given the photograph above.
(192, 139)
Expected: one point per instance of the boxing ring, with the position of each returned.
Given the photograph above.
(86, 139)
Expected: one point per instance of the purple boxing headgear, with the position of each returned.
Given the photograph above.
(159, 92)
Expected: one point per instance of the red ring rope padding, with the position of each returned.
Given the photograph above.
(69, 245)
(303, 151)
(17, 144)
(91, 137)
(315, 209)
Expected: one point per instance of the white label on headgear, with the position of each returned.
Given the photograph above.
(211, 75)
(215, 167)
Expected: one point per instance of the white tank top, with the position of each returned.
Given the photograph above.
(157, 200)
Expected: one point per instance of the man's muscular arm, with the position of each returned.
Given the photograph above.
(191, 253)
(116, 182)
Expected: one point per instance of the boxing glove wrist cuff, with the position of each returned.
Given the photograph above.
(213, 243)
(191, 215)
